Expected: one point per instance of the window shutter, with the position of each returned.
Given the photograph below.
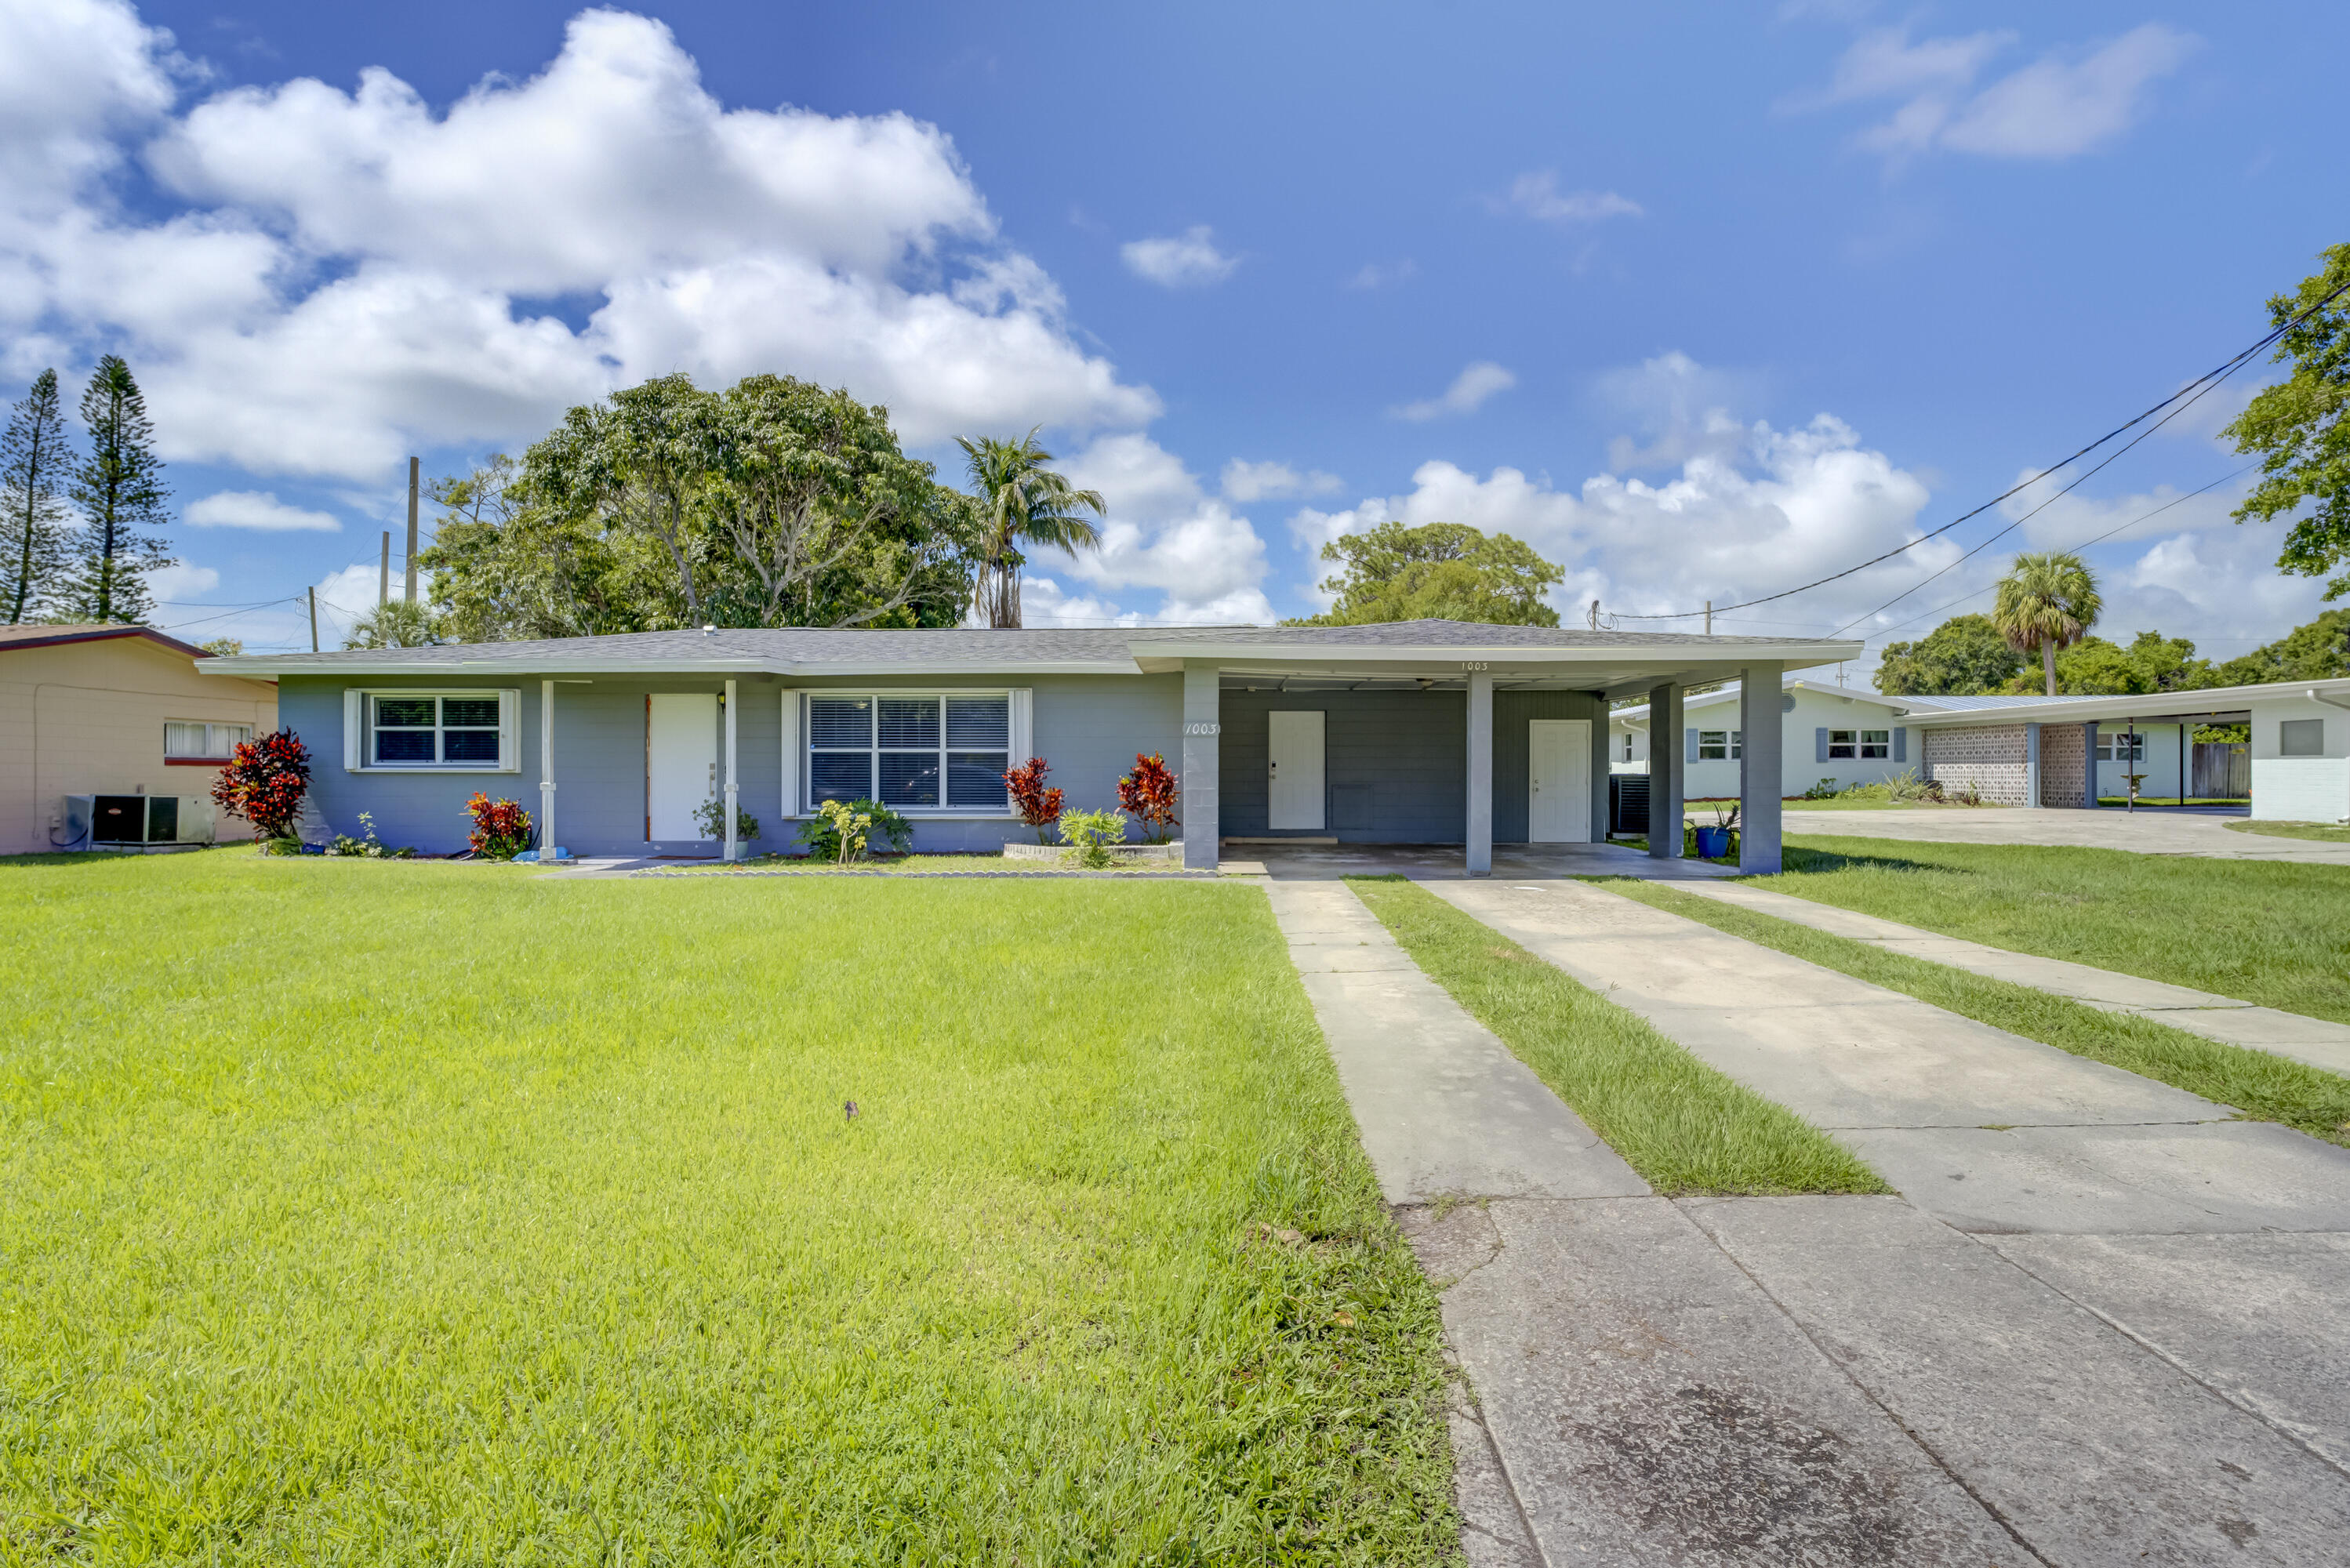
(1023, 725)
(509, 754)
(1823, 753)
(795, 757)
(354, 729)
(1900, 744)
(1692, 743)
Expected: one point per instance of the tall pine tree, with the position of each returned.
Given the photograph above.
(33, 457)
(120, 492)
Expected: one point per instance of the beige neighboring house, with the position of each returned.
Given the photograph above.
(111, 711)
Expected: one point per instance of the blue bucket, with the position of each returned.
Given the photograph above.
(1712, 843)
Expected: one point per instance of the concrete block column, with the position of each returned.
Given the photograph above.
(1760, 777)
(1481, 774)
(1204, 727)
(1665, 772)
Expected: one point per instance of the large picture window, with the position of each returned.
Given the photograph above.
(912, 751)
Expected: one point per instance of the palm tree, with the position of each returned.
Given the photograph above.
(1023, 503)
(2046, 601)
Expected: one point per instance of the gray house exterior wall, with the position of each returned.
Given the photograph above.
(1395, 763)
(1088, 727)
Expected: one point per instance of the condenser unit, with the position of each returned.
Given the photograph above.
(98, 820)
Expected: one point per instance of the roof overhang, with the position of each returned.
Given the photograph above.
(2216, 705)
(1613, 669)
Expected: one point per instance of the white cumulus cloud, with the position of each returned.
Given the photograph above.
(257, 509)
(1538, 195)
(1245, 482)
(1187, 260)
(2068, 102)
(346, 276)
(1164, 534)
(1467, 394)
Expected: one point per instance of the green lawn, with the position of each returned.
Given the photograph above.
(2319, 831)
(399, 1213)
(2265, 1087)
(1684, 1126)
(2268, 931)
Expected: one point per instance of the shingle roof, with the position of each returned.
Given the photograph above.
(1025, 645)
(1960, 704)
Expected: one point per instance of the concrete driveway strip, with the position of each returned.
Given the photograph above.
(1446, 1109)
(1924, 1094)
(2319, 1042)
(2095, 1450)
(2159, 832)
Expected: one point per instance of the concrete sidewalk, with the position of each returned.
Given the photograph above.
(1850, 1380)
(2155, 832)
(2319, 1042)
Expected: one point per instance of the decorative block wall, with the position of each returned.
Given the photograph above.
(1988, 756)
(2064, 765)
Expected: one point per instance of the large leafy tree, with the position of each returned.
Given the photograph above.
(1965, 656)
(1022, 502)
(2299, 429)
(774, 504)
(33, 459)
(119, 490)
(2317, 651)
(1440, 571)
(2046, 601)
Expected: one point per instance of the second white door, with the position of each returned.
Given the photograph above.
(1558, 790)
(1294, 783)
(681, 764)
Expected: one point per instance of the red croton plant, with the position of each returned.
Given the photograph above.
(264, 782)
(1038, 807)
(501, 827)
(1147, 794)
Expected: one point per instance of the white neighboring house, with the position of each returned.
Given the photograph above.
(2301, 753)
(1847, 734)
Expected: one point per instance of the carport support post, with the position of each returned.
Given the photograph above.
(1665, 775)
(2089, 767)
(734, 846)
(1481, 774)
(2032, 764)
(1203, 725)
(1760, 780)
(545, 769)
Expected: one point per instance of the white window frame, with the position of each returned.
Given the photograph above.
(798, 743)
(1843, 745)
(213, 751)
(2111, 747)
(359, 732)
(1729, 744)
(1879, 749)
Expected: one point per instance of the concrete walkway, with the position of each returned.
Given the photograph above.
(1847, 1381)
(2173, 832)
(2319, 1042)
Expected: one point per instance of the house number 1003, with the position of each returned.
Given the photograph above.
(1203, 729)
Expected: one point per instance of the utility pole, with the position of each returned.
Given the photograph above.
(383, 574)
(1708, 617)
(411, 530)
(314, 620)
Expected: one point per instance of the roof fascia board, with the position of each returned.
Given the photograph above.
(267, 668)
(2145, 705)
(1675, 654)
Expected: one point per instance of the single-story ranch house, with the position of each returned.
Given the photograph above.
(1420, 732)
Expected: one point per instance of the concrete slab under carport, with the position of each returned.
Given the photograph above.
(2319, 1042)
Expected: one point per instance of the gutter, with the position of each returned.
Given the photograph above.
(2314, 695)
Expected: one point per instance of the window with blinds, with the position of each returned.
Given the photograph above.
(947, 751)
(433, 732)
(187, 741)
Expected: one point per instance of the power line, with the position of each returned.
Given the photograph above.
(2197, 387)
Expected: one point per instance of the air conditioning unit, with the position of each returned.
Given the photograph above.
(138, 819)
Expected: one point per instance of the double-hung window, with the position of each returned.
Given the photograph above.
(1718, 745)
(413, 731)
(1856, 746)
(194, 743)
(914, 751)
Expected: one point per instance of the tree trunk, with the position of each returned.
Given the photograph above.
(2048, 663)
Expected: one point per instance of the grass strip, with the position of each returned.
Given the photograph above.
(1684, 1126)
(2265, 1087)
(2273, 932)
(398, 1212)
(2318, 831)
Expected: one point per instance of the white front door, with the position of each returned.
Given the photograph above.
(681, 764)
(1558, 792)
(1294, 787)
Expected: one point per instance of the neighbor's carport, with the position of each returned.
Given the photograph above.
(1450, 732)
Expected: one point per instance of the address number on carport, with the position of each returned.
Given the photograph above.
(1203, 729)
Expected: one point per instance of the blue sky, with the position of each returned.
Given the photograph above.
(1703, 301)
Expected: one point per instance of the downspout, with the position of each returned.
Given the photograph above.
(733, 845)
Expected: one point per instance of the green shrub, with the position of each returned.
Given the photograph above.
(1089, 835)
(710, 817)
(844, 834)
